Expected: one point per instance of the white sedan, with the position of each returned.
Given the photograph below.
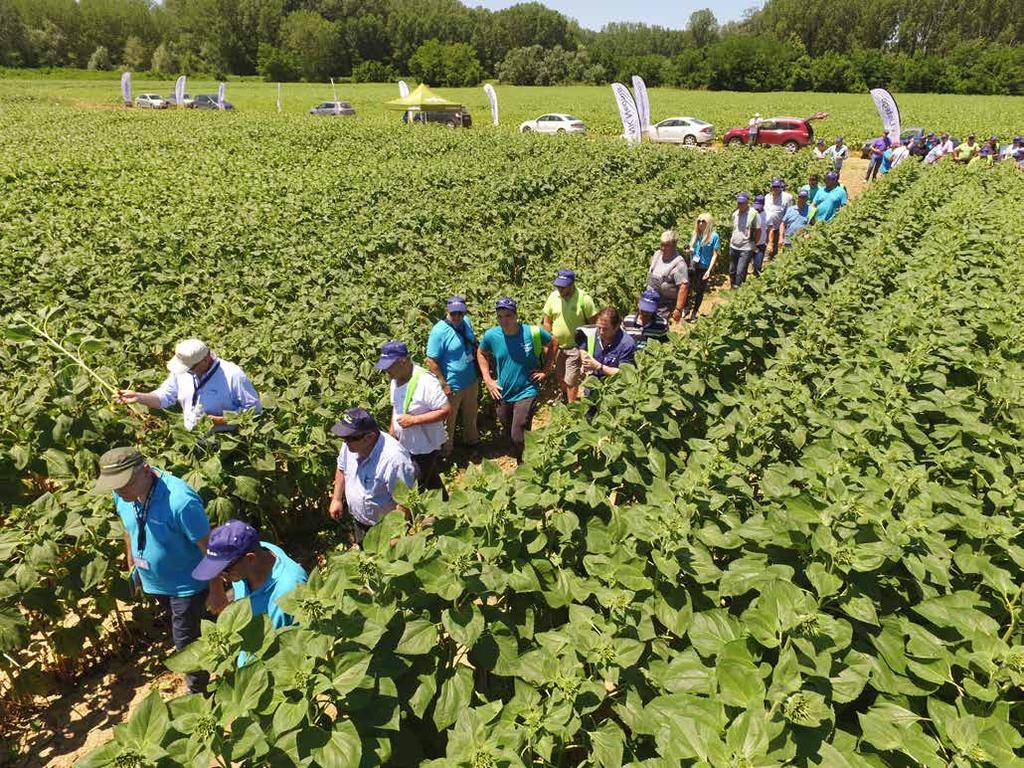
(554, 123)
(150, 101)
(683, 130)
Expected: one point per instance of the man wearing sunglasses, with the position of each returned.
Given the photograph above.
(371, 464)
(165, 536)
(256, 569)
(202, 384)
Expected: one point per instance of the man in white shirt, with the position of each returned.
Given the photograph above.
(776, 203)
(202, 384)
(900, 152)
(419, 411)
(838, 153)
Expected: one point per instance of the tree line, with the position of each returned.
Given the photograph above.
(848, 45)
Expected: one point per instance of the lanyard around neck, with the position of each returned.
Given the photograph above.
(142, 514)
(200, 382)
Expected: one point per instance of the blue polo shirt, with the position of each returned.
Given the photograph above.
(515, 360)
(622, 350)
(796, 219)
(828, 202)
(175, 522)
(284, 577)
(454, 354)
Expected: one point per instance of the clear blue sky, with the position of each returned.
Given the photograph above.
(594, 14)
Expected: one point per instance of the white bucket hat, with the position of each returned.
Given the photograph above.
(186, 354)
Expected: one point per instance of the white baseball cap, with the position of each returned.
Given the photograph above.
(186, 354)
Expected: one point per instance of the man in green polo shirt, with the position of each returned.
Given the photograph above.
(566, 309)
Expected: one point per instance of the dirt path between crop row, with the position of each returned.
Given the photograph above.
(65, 727)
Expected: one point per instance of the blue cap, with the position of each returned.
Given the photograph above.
(759, 202)
(391, 353)
(457, 304)
(777, 183)
(831, 176)
(565, 278)
(803, 193)
(506, 303)
(648, 300)
(226, 544)
(356, 421)
(742, 197)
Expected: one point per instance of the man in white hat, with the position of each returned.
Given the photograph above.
(201, 383)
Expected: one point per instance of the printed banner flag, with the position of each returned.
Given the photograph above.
(643, 105)
(628, 113)
(126, 87)
(278, 97)
(334, 90)
(403, 89)
(493, 98)
(888, 111)
(220, 96)
(179, 91)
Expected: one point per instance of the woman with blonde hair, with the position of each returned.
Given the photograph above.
(704, 244)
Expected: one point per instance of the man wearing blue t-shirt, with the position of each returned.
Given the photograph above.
(256, 569)
(451, 357)
(829, 200)
(522, 356)
(165, 536)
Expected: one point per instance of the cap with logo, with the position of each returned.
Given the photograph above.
(648, 300)
(457, 304)
(742, 197)
(506, 303)
(565, 278)
(356, 421)
(226, 544)
(777, 183)
(116, 468)
(187, 354)
(390, 353)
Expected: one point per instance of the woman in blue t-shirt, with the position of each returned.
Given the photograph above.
(704, 246)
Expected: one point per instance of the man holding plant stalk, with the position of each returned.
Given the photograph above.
(202, 384)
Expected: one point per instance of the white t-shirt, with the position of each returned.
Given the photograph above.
(899, 154)
(428, 396)
(775, 208)
(762, 222)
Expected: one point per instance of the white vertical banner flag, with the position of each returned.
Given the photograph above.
(643, 105)
(334, 90)
(492, 97)
(888, 111)
(628, 113)
(278, 97)
(179, 91)
(220, 96)
(403, 89)
(126, 87)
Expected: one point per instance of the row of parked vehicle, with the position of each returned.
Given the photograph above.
(672, 130)
(202, 101)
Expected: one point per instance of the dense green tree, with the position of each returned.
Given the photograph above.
(449, 64)
(313, 42)
(703, 27)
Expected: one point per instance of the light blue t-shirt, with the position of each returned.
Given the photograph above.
(454, 355)
(284, 577)
(886, 165)
(515, 360)
(702, 252)
(796, 219)
(176, 521)
(828, 203)
(370, 483)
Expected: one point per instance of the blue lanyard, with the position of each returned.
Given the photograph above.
(199, 383)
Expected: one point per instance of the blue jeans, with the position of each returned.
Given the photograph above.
(739, 263)
(873, 165)
(186, 614)
(758, 260)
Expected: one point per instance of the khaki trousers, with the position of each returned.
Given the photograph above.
(465, 403)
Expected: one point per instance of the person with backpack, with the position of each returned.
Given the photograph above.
(451, 357)
(419, 412)
(522, 355)
(566, 309)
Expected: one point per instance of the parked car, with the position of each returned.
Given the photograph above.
(209, 101)
(150, 101)
(186, 101)
(556, 122)
(454, 118)
(682, 130)
(337, 108)
(789, 132)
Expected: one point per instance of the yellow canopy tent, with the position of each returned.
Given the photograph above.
(423, 98)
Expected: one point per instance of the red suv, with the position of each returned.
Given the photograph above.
(789, 132)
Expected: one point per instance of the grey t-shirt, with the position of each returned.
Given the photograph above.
(666, 276)
(742, 226)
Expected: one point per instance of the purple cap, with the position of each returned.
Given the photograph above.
(742, 197)
(565, 278)
(506, 303)
(993, 138)
(802, 193)
(777, 183)
(356, 421)
(457, 304)
(226, 544)
(391, 353)
(831, 176)
(985, 151)
(1018, 139)
(648, 301)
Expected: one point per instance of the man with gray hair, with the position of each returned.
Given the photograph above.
(202, 384)
(669, 276)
